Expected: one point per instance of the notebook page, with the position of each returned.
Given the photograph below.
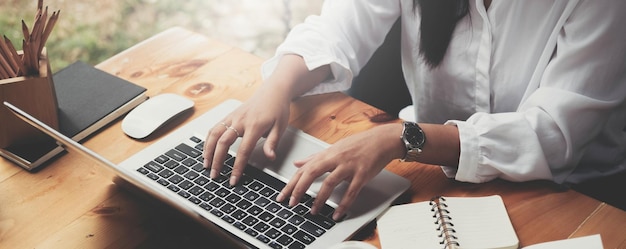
(408, 226)
(481, 222)
(586, 242)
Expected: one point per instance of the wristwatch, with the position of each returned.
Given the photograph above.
(414, 139)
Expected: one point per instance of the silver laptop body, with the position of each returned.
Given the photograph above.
(375, 197)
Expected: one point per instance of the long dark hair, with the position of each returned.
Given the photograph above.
(439, 18)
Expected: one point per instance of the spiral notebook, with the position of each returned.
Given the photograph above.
(448, 222)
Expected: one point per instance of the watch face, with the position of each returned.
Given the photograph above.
(414, 136)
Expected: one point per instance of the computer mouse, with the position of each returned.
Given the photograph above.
(153, 113)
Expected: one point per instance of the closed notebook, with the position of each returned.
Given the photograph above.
(88, 99)
(448, 222)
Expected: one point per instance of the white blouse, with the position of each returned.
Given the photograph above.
(536, 88)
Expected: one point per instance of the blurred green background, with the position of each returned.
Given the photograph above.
(93, 31)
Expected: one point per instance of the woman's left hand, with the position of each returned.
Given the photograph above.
(355, 159)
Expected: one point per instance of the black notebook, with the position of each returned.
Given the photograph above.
(88, 99)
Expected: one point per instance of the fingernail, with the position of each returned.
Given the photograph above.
(292, 201)
(280, 197)
(213, 173)
(233, 180)
(337, 215)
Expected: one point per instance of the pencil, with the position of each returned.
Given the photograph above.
(16, 57)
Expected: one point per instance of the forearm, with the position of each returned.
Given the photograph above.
(442, 145)
(293, 78)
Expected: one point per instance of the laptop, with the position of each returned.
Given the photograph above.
(246, 214)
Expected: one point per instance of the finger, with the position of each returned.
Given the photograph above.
(309, 174)
(301, 162)
(269, 148)
(247, 145)
(221, 150)
(210, 143)
(286, 191)
(329, 184)
(353, 191)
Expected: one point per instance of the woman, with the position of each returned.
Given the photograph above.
(518, 90)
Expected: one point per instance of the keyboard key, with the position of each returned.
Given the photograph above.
(216, 202)
(289, 229)
(244, 204)
(263, 239)
(240, 190)
(153, 176)
(189, 162)
(171, 164)
(275, 245)
(265, 216)
(320, 220)
(163, 182)
(206, 196)
(181, 169)
(161, 159)
(205, 206)
(174, 188)
(254, 210)
(198, 167)
(188, 150)
(222, 192)
(273, 207)
(154, 167)
(195, 139)
(251, 196)
(238, 214)
(174, 154)
(143, 171)
(191, 175)
(251, 232)
(327, 210)
(267, 192)
(196, 190)
(176, 179)
(201, 180)
(300, 209)
(228, 219)
(277, 222)
(239, 225)
(211, 186)
(273, 233)
(262, 201)
(166, 173)
(233, 198)
(255, 185)
(184, 194)
(185, 184)
(284, 240)
(296, 220)
(228, 208)
(261, 227)
(250, 221)
(217, 213)
(195, 200)
(312, 229)
(296, 245)
(304, 237)
(285, 214)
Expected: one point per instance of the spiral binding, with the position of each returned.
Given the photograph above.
(444, 222)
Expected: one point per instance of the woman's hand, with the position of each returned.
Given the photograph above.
(355, 159)
(265, 114)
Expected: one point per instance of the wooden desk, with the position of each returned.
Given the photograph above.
(72, 203)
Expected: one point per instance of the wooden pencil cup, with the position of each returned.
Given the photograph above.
(33, 94)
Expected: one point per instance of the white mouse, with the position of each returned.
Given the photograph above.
(154, 113)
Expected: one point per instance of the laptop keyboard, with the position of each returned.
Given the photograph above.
(249, 206)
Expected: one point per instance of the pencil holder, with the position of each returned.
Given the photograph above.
(33, 94)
